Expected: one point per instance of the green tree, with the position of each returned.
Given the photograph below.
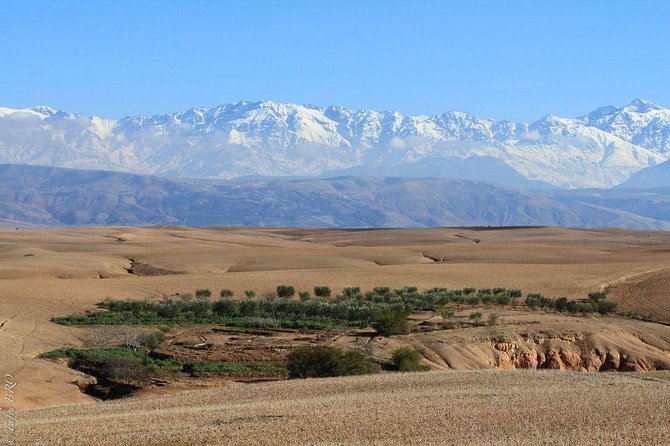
(285, 291)
(390, 322)
(322, 291)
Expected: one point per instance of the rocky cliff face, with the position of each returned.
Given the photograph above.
(537, 340)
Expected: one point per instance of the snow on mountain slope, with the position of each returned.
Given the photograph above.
(41, 112)
(601, 149)
(640, 122)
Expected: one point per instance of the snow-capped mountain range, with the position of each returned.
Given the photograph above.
(600, 149)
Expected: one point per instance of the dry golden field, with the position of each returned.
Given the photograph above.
(46, 273)
(456, 407)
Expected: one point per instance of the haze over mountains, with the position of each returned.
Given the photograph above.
(47, 196)
(600, 149)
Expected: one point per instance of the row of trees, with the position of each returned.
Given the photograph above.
(597, 302)
(282, 291)
(384, 308)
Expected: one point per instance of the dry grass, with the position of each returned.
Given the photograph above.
(475, 407)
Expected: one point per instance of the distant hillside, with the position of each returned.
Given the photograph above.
(47, 196)
(651, 177)
(474, 168)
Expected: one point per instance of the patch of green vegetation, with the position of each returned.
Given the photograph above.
(229, 367)
(383, 308)
(140, 362)
(406, 359)
(597, 303)
(323, 361)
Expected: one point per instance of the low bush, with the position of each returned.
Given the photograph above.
(322, 291)
(285, 291)
(447, 313)
(125, 369)
(390, 322)
(151, 340)
(263, 322)
(475, 317)
(137, 366)
(226, 293)
(604, 306)
(406, 359)
(323, 361)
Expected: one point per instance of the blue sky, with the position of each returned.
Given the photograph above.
(496, 59)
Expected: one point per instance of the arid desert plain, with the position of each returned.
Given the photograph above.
(603, 378)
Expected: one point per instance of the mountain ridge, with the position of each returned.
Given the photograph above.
(33, 196)
(600, 149)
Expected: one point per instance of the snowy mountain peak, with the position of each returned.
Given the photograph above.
(45, 110)
(640, 105)
(41, 112)
(640, 122)
(271, 138)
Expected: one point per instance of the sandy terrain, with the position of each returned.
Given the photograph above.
(532, 340)
(45, 273)
(472, 407)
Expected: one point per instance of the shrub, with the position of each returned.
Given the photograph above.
(225, 307)
(604, 306)
(304, 296)
(492, 320)
(354, 362)
(263, 322)
(390, 322)
(125, 369)
(406, 359)
(285, 291)
(323, 361)
(351, 292)
(502, 299)
(572, 307)
(100, 337)
(152, 340)
(561, 304)
(597, 295)
(536, 301)
(131, 338)
(322, 291)
(585, 307)
(203, 293)
(226, 293)
(447, 313)
(250, 294)
(476, 317)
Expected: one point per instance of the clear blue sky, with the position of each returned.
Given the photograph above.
(497, 59)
